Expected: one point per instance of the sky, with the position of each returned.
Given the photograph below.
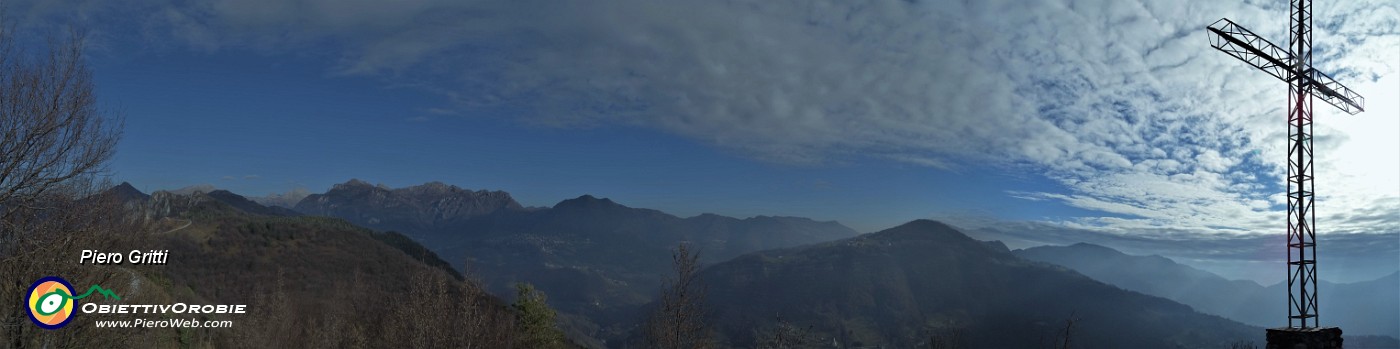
(1045, 122)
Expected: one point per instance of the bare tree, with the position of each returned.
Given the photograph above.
(785, 335)
(1062, 337)
(440, 313)
(678, 320)
(1068, 333)
(53, 142)
(53, 136)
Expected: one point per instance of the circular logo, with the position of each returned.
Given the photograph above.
(51, 302)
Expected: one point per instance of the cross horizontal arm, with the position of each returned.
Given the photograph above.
(1243, 44)
(1246, 46)
(1334, 92)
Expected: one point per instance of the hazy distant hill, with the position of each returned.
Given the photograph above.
(1371, 307)
(288, 199)
(246, 205)
(1367, 307)
(899, 286)
(593, 256)
(1154, 275)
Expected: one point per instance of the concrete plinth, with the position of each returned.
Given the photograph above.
(1304, 338)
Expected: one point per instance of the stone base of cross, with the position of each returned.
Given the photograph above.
(1304, 338)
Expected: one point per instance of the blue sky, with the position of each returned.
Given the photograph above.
(259, 125)
(1045, 122)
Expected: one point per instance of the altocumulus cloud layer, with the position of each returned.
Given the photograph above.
(1121, 102)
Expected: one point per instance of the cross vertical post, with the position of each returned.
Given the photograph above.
(1294, 66)
(1302, 238)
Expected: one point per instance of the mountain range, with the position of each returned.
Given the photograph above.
(418, 211)
(919, 284)
(904, 286)
(1361, 308)
(596, 258)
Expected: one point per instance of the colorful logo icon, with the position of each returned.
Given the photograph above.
(51, 302)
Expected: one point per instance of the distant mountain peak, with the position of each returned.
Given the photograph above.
(436, 185)
(1084, 246)
(222, 192)
(926, 224)
(587, 201)
(126, 192)
(930, 233)
(352, 183)
(922, 228)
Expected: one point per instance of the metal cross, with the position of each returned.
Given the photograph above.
(1294, 66)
